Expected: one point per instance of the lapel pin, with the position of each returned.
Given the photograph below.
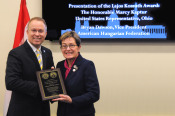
(75, 68)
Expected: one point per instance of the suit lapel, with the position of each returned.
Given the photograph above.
(32, 55)
(43, 57)
(77, 63)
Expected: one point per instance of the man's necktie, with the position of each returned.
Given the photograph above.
(39, 57)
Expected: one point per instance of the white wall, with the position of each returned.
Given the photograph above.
(136, 79)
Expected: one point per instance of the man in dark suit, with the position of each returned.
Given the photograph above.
(22, 64)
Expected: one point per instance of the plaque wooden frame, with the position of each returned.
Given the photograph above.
(51, 83)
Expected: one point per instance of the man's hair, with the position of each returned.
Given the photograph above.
(38, 19)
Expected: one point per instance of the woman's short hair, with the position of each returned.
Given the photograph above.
(72, 34)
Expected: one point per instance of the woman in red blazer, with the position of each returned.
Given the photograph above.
(80, 79)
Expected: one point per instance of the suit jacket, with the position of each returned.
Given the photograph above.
(21, 79)
(82, 86)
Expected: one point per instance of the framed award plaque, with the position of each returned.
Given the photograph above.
(50, 83)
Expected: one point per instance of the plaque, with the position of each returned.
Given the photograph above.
(50, 83)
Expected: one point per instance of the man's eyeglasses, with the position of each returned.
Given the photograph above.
(66, 46)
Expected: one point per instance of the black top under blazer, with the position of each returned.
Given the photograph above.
(82, 86)
(21, 79)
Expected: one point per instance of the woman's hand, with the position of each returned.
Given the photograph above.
(63, 98)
